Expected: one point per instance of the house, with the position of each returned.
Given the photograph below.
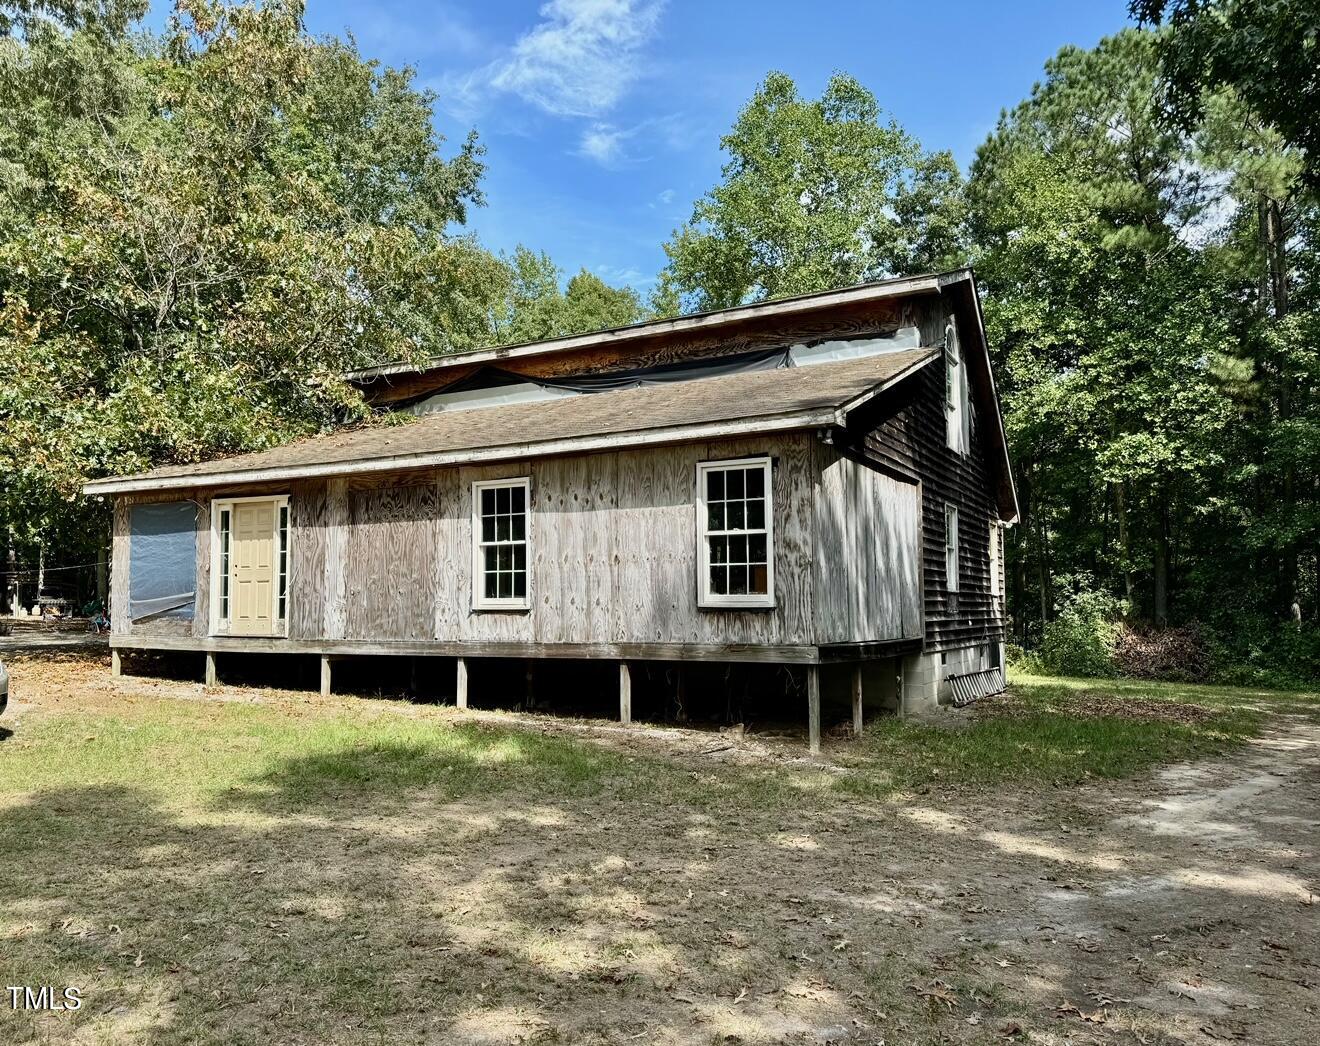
(817, 482)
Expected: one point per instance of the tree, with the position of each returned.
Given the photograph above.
(1105, 322)
(1266, 51)
(199, 232)
(533, 306)
(815, 194)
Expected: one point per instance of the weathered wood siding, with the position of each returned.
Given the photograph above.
(307, 544)
(613, 555)
(389, 560)
(911, 438)
(867, 574)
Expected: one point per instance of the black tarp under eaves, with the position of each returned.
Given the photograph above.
(162, 560)
(494, 377)
(737, 363)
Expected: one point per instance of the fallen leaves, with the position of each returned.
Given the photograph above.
(938, 992)
(1067, 1009)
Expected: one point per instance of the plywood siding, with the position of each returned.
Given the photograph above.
(307, 544)
(389, 560)
(867, 573)
(119, 553)
(911, 438)
(613, 555)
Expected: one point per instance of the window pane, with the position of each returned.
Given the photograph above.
(487, 528)
(714, 485)
(756, 548)
(520, 585)
(736, 517)
(755, 483)
(519, 557)
(502, 499)
(715, 516)
(761, 580)
(737, 581)
(519, 528)
(491, 586)
(734, 483)
(719, 550)
(503, 557)
(756, 515)
(505, 584)
(738, 549)
(719, 581)
(502, 528)
(488, 501)
(519, 495)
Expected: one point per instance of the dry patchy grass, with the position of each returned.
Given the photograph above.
(244, 866)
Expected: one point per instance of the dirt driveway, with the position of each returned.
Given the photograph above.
(1176, 908)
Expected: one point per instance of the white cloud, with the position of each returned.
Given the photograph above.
(581, 58)
(603, 143)
(666, 197)
(613, 146)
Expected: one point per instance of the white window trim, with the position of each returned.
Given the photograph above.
(706, 599)
(956, 407)
(220, 626)
(996, 557)
(952, 549)
(480, 601)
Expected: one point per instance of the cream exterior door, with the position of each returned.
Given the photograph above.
(252, 569)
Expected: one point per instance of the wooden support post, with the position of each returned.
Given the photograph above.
(857, 699)
(325, 676)
(813, 708)
(116, 664)
(625, 694)
(208, 676)
(460, 693)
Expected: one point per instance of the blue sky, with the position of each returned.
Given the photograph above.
(602, 118)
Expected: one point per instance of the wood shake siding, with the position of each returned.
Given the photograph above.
(912, 441)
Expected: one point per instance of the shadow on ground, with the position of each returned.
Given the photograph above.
(491, 886)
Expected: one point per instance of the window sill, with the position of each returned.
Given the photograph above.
(503, 608)
(760, 605)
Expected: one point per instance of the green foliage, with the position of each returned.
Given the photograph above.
(1079, 641)
(816, 194)
(201, 231)
(1157, 363)
(531, 305)
(1266, 51)
(198, 233)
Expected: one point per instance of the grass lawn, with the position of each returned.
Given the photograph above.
(243, 866)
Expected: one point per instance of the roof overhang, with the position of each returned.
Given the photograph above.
(819, 418)
(476, 456)
(694, 322)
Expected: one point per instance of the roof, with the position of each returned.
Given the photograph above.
(706, 408)
(698, 321)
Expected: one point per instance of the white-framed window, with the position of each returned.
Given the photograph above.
(229, 567)
(735, 533)
(996, 539)
(951, 578)
(501, 525)
(955, 392)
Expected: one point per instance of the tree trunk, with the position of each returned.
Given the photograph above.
(1161, 607)
(102, 574)
(11, 581)
(1274, 239)
(1043, 559)
(1125, 545)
